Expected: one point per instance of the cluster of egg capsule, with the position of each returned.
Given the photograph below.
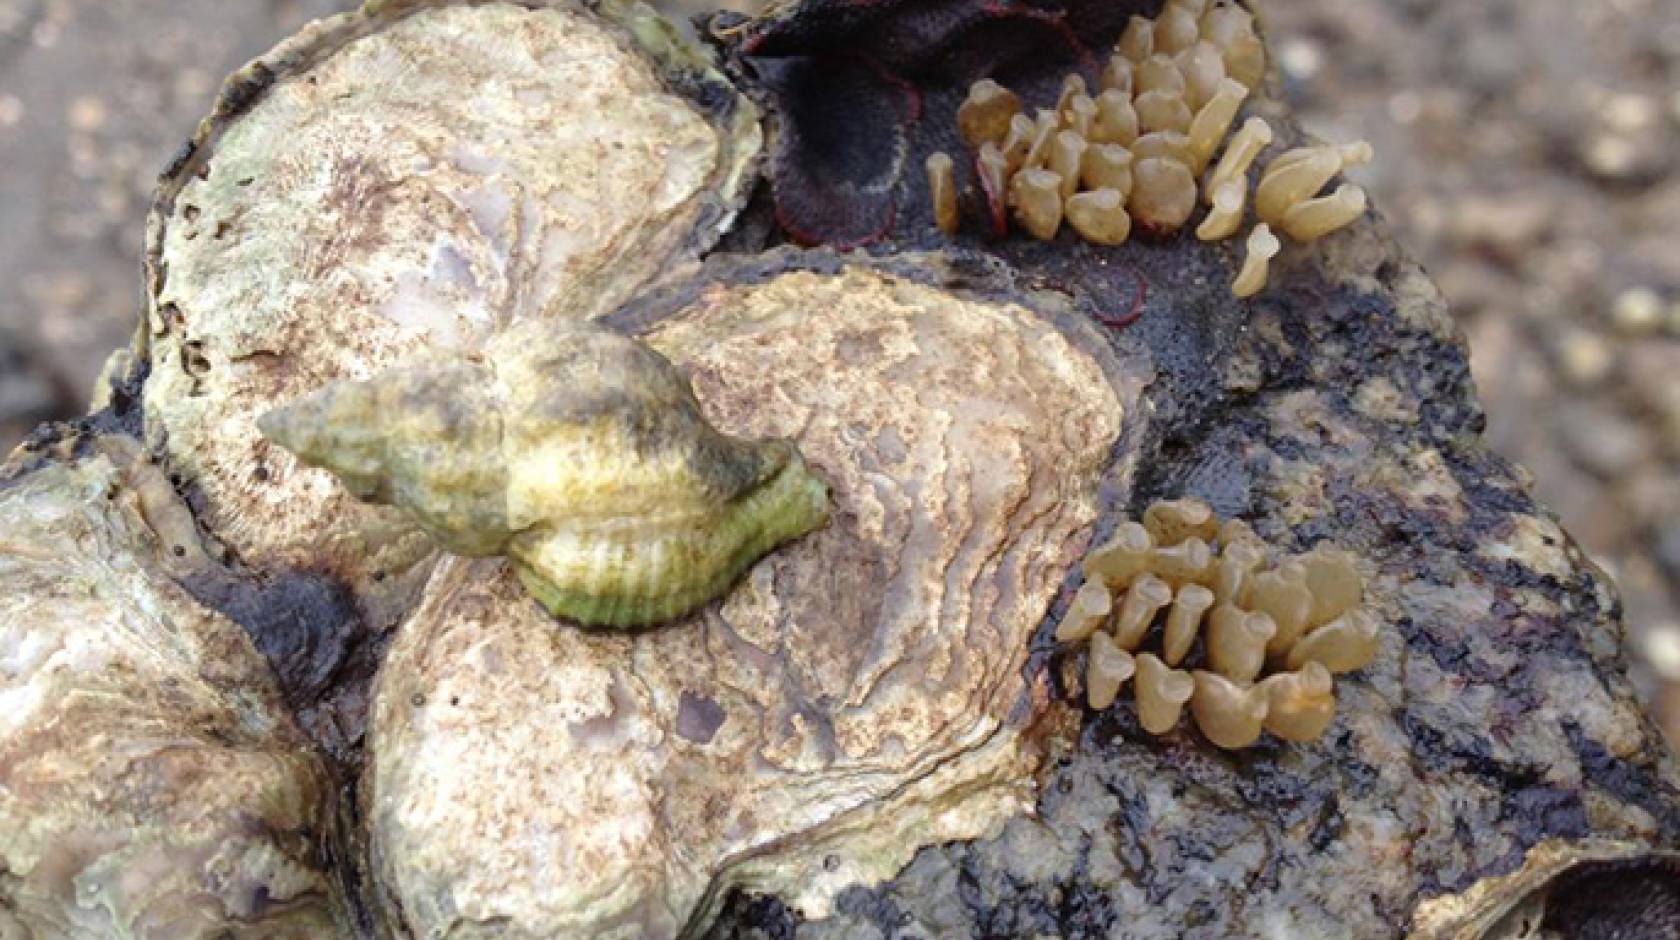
(1274, 632)
(1135, 151)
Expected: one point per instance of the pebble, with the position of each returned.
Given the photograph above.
(1662, 650)
(1585, 357)
(1638, 312)
(1601, 441)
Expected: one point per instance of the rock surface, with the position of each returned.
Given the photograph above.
(1337, 404)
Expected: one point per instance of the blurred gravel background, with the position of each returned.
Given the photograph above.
(1528, 150)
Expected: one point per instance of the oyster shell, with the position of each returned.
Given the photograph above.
(860, 694)
(1594, 888)
(399, 181)
(576, 451)
(152, 785)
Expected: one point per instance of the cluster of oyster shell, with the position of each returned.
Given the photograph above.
(1277, 629)
(1135, 151)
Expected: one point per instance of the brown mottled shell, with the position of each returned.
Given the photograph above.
(347, 208)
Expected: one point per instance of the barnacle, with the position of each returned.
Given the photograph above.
(1080, 115)
(1203, 68)
(1263, 246)
(1090, 608)
(1163, 111)
(1237, 641)
(1254, 136)
(1123, 557)
(1163, 193)
(1159, 72)
(1315, 218)
(942, 187)
(1343, 645)
(1107, 166)
(1229, 714)
(1299, 174)
(1099, 216)
(1036, 196)
(985, 116)
(1163, 145)
(1190, 605)
(1227, 213)
(1119, 75)
(1282, 594)
(1108, 669)
(1213, 122)
(1017, 143)
(1298, 616)
(580, 454)
(1067, 157)
(1168, 96)
(1172, 521)
(1117, 120)
(1300, 704)
(1176, 29)
(1161, 693)
(1147, 596)
(1137, 40)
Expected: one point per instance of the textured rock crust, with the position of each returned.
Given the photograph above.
(1336, 405)
(861, 694)
(152, 783)
(1497, 715)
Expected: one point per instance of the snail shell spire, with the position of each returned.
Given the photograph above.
(580, 454)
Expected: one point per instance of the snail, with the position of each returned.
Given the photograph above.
(580, 454)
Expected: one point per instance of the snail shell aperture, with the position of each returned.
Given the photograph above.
(579, 453)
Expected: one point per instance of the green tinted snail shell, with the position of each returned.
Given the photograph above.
(580, 454)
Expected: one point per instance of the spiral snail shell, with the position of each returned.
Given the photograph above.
(580, 454)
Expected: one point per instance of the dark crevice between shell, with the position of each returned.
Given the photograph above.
(1575, 908)
(69, 440)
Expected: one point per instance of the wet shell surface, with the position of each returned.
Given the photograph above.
(152, 784)
(348, 208)
(1564, 889)
(858, 695)
(576, 451)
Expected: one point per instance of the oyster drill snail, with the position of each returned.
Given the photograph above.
(580, 454)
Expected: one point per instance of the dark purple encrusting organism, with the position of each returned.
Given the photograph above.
(838, 78)
(861, 92)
